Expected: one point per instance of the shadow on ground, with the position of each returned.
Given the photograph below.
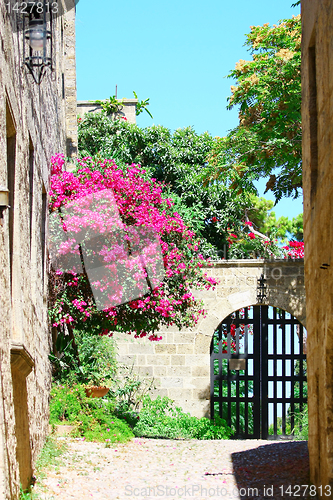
(267, 471)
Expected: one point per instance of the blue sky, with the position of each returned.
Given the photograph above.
(175, 52)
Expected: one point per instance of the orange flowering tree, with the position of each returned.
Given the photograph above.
(267, 142)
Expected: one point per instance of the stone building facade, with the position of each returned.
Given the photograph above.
(180, 362)
(36, 122)
(317, 124)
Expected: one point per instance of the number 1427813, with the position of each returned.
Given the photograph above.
(305, 491)
(32, 7)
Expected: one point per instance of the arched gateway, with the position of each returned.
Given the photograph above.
(258, 372)
(180, 363)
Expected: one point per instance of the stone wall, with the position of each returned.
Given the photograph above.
(128, 109)
(317, 124)
(32, 129)
(180, 362)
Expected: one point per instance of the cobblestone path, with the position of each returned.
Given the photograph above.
(156, 468)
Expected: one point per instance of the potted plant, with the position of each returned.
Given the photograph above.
(97, 363)
(96, 391)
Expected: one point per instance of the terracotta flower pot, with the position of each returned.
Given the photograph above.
(96, 392)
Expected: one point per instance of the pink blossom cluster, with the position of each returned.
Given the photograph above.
(131, 213)
(295, 249)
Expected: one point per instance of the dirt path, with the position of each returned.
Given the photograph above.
(157, 468)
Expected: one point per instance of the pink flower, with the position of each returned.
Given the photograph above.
(137, 203)
(252, 236)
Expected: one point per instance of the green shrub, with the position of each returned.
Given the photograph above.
(128, 391)
(108, 430)
(66, 403)
(301, 427)
(131, 417)
(92, 417)
(26, 495)
(98, 364)
(94, 363)
(160, 418)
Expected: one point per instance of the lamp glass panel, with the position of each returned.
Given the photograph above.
(36, 37)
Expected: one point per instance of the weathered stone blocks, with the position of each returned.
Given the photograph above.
(166, 348)
(178, 359)
(162, 359)
(172, 382)
(185, 348)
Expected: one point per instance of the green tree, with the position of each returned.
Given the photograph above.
(296, 229)
(267, 141)
(213, 210)
(179, 160)
(265, 221)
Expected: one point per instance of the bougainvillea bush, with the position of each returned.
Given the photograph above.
(131, 260)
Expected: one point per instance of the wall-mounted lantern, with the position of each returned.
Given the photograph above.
(37, 40)
(4, 201)
(261, 289)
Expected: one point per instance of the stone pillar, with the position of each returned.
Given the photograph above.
(317, 125)
(70, 83)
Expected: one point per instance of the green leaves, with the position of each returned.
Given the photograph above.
(92, 418)
(97, 357)
(94, 363)
(110, 106)
(265, 221)
(141, 106)
(267, 90)
(113, 106)
(161, 418)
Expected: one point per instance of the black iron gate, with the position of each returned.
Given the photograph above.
(258, 373)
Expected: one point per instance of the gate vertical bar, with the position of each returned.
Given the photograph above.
(256, 373)
(246, 381)
(237, 384)
(292, 396)
(284, 411)
(275, 370)
(212, 378)
(264, 370)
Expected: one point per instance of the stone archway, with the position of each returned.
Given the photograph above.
(258, 372)
(180, 363)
